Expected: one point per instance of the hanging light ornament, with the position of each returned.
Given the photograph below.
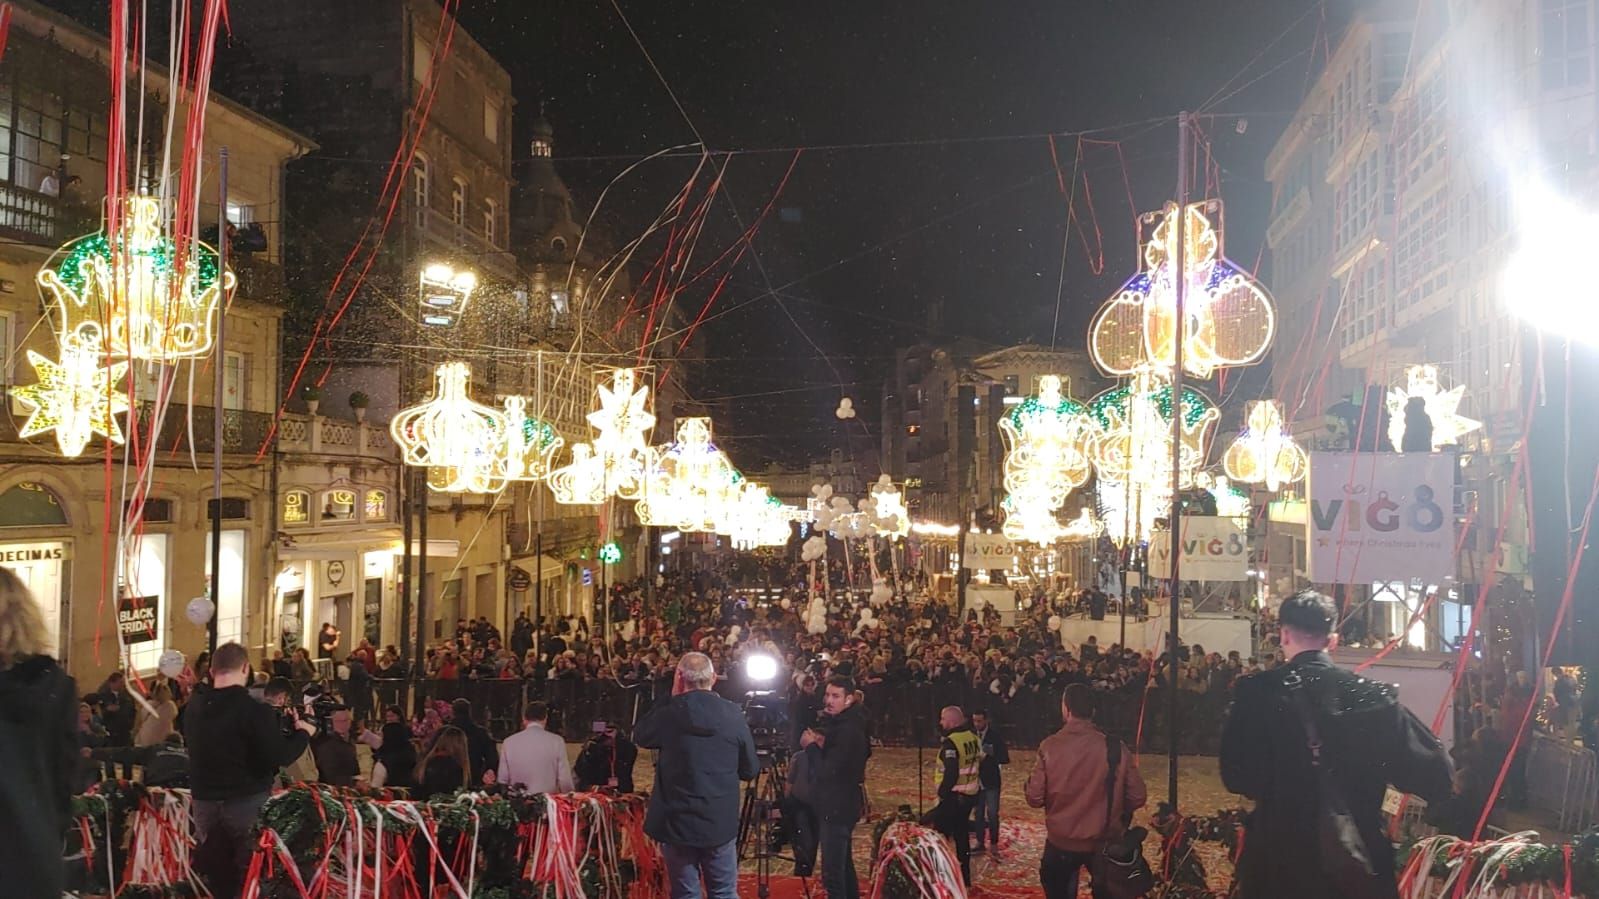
(75, 397)
(526, 451)
(1230, 317)
(1230, 501)
(890, 517)
(142, 297)
(450, 434)
(620, 453)
(581, 481)
(1048, 441)
(1448, 426)
(1264, 452)
(755, 518)
(1133, 450)
(690, 482)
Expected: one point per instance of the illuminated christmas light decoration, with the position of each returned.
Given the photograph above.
(528, 447)
(1230, 316)
(890, 517)
(690, 482)
(610, 553)
(1448, 426)
(620, 449)
(1132, 453)
(450, 434)
(1264, 452)
(76, 398)
(934, 529)
(755, 518)
(444, 294)
(1230, 501)
(130, 300)
(1048, 442)
(581, 481)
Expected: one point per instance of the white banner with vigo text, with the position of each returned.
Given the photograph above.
(985, 551)
(1380, 517)
(1213, 549)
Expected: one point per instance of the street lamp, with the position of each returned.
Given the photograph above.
(444, 294)
(1554, 235)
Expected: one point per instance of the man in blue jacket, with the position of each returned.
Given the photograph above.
(704, 749)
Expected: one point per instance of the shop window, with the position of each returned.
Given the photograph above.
(230, 586)
(338, 505)
(145, 587)
(377, 505)
(30, 505)
(296, 507)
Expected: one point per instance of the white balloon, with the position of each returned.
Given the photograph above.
(171, 663)
(199, 611)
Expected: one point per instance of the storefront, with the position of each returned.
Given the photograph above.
(28, 511)
(348, 580)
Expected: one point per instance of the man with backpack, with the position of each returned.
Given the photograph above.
(1088, 787)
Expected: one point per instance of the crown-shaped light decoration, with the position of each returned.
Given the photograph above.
(620, 448)
(580, 482)
(690, 482)
(1264, 452)
(1231, 502)
(755, 518)
(1133, 450)
(889, 515)
(75, 397)
(1448, 425)
(453, 436)
(527, 450)
(1230, 316)
(1049, 439)
(141, 296)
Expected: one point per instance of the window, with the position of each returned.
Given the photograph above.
(233, 509)
(491, 222)
(1013, 384)
(377, 505)
(145, 586)
(155, 511)
(233, 370)
(30, 505)
(8, 327)
(338, 505)
(230, 586)
(458, 201)
(296, 507)
(421, 60)
(491, 120)
(420, 185)
(34, 134)
(1565, 43)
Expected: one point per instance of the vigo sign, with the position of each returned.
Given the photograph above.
(1380, 517)
(985, 551)
(1214, 549)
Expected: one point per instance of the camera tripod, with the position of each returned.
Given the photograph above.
(763, 801)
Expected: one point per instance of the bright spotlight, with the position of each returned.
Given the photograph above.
(760, 668)
(1554, 234)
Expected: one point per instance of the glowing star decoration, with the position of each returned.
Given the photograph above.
(136, 299)
(1230, 501)
(1230, 319)
(1048, 441)
(450, 434)
(1448, 426)
(1133, 450)
(890, 517)
(1264, 452)
(620, 450)
(75, 397)
(690, 482)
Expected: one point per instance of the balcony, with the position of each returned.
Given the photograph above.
(30, 217)
(242, 432)
(260, 281)
(335, 437)
(464, 244)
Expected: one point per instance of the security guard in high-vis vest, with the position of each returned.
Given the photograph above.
(961, 753)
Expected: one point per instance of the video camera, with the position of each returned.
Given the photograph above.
(768, 724)
(318, 706)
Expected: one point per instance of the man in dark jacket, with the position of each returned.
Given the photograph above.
(38, 718)
(839, 779)
(236, 746)
(704, 748)
(165, 764)
(485, 752)
(1367, 742)
(995, 754)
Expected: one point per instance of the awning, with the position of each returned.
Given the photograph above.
(340, 546)
(542, 567)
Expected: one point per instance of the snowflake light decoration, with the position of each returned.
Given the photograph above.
(75, 397)
(620, 448)
(1264, 452)
(1448, 425)
(142, 297)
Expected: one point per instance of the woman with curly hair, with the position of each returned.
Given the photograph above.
(38, 740)
(446, 767)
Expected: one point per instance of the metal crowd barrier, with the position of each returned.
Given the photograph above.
(1561, 779)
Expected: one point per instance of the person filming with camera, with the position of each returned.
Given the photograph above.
(236, 746)
(703, 750)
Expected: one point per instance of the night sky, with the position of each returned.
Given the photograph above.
(957, 204)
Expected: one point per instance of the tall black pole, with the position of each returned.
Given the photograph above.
(1180, 278)
(420, 491)
(219, 361)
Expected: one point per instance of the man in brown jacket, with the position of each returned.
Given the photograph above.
(1068, 783)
